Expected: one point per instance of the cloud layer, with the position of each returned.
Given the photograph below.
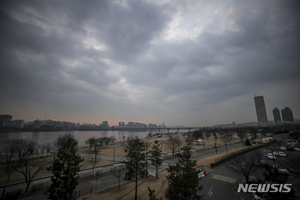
(196, 63)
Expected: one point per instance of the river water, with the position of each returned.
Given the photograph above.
(81, 136)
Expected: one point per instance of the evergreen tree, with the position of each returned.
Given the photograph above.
(134, 163)
(64, 169)
(247, 143)
(183, 183)
(152, 195)
(155, 156)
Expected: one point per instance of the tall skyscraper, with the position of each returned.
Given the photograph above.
(276, 115)
(287, 115)
(260, 110)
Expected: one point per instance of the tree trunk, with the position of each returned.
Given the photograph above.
(136, 179)
(27, 187)
(156, 172)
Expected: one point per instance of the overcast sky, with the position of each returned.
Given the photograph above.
(192, 63)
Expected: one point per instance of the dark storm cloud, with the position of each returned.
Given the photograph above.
(112, 58)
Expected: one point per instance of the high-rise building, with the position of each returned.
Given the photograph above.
(260, 110)
(276, 115)
(287, 115)
(4, 118)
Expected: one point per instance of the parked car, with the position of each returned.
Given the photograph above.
(283, 171)
(297, 149)
(268, 154)
(275, 153)
(282, 148)
(271, 157)
(280, 153)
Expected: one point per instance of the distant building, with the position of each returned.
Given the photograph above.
(3, 118)
(287, 115)
(105, 124)
(19, 123)
(261, 110)
(276, 115)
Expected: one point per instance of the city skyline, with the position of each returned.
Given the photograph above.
(194, 64)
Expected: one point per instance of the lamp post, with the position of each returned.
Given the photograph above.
(114, 153)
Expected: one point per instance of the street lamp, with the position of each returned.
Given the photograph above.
(114, 153)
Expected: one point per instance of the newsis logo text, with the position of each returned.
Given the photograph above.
(264, 188)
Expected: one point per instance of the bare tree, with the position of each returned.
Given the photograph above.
(90, 141)
(98, 143)
(123, 139)
(173, 143)
(106, 140)
(246, 164)
(207, 135)
(48, 148)
(189, 139)
(112, 140)
(41, 148)
(216, 140)
(28, 164)
(24, 147)
(226, 138)
(9, 150)
(242, 137)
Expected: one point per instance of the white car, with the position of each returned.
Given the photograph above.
(283, 171)
(297, 149)
(280, 153)
(271, 157)
(201, 175)
(282, 148)
(275, 153)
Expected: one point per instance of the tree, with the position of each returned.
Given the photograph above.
(64, 169)
(90, 141)
(9, 150)
(155, 159)
(112, 140)
(28, 164)
(198, 134)
(151, 194)
(207, 135)
(135, 155)
(248, 143)
(226, 138)
(242, 137)
(48, 148)
(41, 148)
(245, 164)
(173, 143)
(97, 144)
(189, 139)
(183, 183)
(216, 140)
(106, 140)
(147, 147)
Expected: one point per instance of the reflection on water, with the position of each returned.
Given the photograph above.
(81, 136)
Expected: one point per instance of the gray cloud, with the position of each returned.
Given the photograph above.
(189, 64)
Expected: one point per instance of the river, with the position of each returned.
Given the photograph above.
(81, 136)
